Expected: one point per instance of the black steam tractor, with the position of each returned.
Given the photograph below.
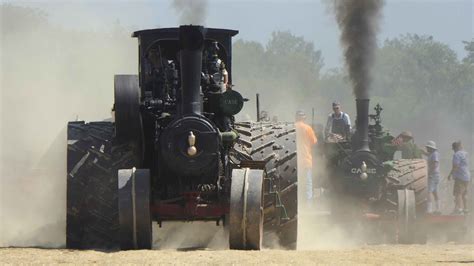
(366, 185)
(173, 152)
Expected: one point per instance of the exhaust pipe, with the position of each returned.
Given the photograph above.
(361, 140)
(191, 41)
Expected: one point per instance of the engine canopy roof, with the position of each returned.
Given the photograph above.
(168, 36)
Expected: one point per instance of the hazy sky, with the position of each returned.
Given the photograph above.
(449, 21)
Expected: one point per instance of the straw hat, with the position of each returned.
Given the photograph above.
(431, 144)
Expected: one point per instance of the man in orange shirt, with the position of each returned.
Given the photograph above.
(305, 139)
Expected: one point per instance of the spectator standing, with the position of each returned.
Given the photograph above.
(305, 140)
(462, 177)
(433, 176)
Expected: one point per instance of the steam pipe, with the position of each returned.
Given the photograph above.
(191, 41)
(361, 140)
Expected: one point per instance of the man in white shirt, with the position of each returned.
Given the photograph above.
(433, 176)
(338, 125)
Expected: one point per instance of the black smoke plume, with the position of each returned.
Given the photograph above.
(359, 22)
(191, 11)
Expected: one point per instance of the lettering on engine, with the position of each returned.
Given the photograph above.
(359, 171)
(231, 101)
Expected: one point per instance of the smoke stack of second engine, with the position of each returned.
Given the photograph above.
(191, 40)
(358, 21)
(361, 138)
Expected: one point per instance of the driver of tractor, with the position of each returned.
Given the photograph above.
(338, 125)
(406, 144)
(215, 73)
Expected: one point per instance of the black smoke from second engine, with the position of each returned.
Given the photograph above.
(358, 21)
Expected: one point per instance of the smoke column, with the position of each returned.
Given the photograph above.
(358, 21)
(191, 11)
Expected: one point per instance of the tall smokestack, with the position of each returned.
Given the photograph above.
(358, 21)
(191, 40)
(361, 138)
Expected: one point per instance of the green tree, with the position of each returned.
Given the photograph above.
(469, 47)
(286, 69)
(424, 88)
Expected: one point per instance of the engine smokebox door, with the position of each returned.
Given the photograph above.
(190, 133)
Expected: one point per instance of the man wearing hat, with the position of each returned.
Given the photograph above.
(338, 124)
(305, 141)
(433, 176)
(214, 71)
(406, 144)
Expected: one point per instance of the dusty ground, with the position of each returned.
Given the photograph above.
(415, 254)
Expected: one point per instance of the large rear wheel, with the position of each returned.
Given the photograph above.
(274, 146)
(93, 160)
(128, 120)
(407, 196)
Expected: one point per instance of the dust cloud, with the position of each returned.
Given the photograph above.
(191, 11)
(317, 228)
(49, 76)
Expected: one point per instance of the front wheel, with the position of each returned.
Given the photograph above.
(134, 209)
(246, 209)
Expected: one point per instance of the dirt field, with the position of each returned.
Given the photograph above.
(416, 254)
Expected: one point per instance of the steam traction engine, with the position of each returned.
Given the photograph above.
(175, 153)
(366, 182)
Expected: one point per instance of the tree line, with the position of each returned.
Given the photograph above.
(419, 81)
